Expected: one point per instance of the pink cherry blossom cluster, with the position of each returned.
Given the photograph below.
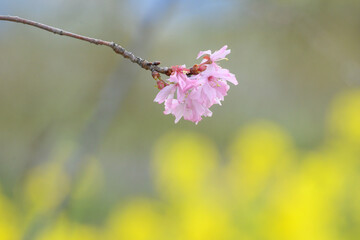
(189, 93)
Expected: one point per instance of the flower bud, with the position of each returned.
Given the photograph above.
(194, 70)
(202, 67)
(207, 57)
(161, 84)
(155, 75)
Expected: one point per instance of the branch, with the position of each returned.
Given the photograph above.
(152, 66)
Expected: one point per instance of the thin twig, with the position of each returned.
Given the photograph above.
(152, 66)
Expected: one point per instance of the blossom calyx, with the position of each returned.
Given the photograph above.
(155, 75)
(160, 84)
(196, 69)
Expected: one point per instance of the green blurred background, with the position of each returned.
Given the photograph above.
(85, 153)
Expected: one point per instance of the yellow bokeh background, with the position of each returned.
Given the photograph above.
(263, 188)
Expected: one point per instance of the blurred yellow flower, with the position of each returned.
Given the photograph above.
(306, 208)
(91, 180)
(268, 190)
(183, 162)
(202, 219)
(10, 226)
(138, 220)
(261, 153)
(64, 229)
(45, 187)
(344, 119)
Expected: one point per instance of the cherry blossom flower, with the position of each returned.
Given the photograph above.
(213, 85)
(190, 108)
(189, 93)
(214, 57)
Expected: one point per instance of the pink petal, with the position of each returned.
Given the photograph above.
(180, 95)
(225, 75)
(173, 78)
(220, 54)
(179, 112)
(182, 82)
(165, 93)
(170, 104)
(207, 113)
(208, 52)
(209, 95)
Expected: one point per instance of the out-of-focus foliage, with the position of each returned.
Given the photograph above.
(265, 188)
(10, 227)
